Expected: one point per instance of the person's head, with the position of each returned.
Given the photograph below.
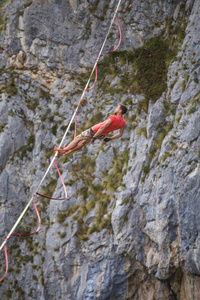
(121, 109)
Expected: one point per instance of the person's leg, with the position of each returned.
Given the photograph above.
(70, 146)
(73, 144)
(76, 144)
(77, 147)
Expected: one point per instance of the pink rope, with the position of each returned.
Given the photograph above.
(94, 80)
(6, 257)
(120, 39)
(39, 219)
(25, 234)
(126, 8)
(63, 184)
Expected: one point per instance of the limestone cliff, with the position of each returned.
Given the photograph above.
(130, 226)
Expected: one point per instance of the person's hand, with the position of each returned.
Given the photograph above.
(92, 140)
(107, 139)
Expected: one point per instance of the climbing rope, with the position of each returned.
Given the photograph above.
(74, 116)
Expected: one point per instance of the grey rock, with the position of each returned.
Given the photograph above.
(155, 117)
(150, 247)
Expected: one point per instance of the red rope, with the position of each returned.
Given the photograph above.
(126, 8)
(94, 80)
(120, 39)
(25, 234)
(64, 187)
(39, 219)
(6, 257)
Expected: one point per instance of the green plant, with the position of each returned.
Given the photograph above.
(183, 84)
(54, 129)
(2, 126)
(179, 117)
(31, 139)
(142, 130)
(32, 103)
(8, 294)
(146, 169)
(24, 150)
(3, 3)
(44, 94)
(92, 229)
(10, 87)
(191, 110)
(28, 4)
(83, 211)
(62, 234)
(165, 156)
(50, 188)
(90, 205)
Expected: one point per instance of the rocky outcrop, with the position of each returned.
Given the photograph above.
(130, 226)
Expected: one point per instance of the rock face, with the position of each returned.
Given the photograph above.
(130, 226)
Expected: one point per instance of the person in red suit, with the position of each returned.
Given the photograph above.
(98, 131)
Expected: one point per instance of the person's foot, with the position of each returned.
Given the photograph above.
(65, 152)
(57, 149)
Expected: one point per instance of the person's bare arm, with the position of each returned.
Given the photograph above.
(119, 134)
(103, 127)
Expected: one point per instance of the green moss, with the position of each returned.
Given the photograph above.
(152, 153)
(152, 66)
(92, 229)
(31, 139)
(62, 234)
(3, 3)
(179, 117)
(173, 146)
(49, 189)
(27, 258)
(83, 211)
(28, 4)
(8, 294)
(194, 104)
(191, 110)
(183, 85)
(24, 150)
(142, 130)
(196, 99)
(10, 87)
(49, 153)
(74, 209)
(90, 205)
(165, 156)
(2, 126)
(149, 65)
(32, 103)
(105, 222)
(44, 94)
(54, 129)
(146, 169)
(160, 139)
